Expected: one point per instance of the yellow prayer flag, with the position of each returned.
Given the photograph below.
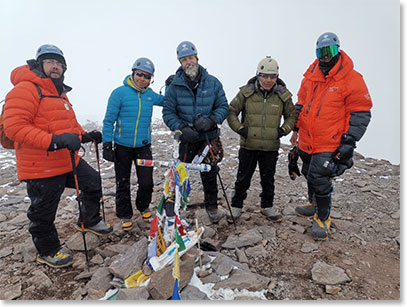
(182, 171)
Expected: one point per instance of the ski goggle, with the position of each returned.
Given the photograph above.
(328, 51)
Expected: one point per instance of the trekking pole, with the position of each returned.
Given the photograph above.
(220, 179)
(75, 176)
(100, 174)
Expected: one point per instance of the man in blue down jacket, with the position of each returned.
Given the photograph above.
(195, 104)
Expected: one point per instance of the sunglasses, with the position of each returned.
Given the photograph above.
(266, 76)
(54, 62)
(328, 51)
(146, 76)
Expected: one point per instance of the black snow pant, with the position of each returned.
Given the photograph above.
(318, 169)
(248, 160)
(187, 152)
(45, 194)
(124, 158)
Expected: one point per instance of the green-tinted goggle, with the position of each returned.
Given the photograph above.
(328, 51)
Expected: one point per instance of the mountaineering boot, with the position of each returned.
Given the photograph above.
(271, 214)
(100, 229)
(59, 260)
(127, 224)
(146, 215)
(322, 218)
(236, 212)
(320, 228)
(215, 215)
(306, 210)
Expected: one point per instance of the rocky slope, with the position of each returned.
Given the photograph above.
(258, 260)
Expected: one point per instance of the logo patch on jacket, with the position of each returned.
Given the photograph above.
(333, 89)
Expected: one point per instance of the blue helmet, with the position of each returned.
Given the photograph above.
(328, 39)
(48, 51)
(145, 65)
(186, 48)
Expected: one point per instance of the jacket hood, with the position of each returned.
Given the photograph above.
(341, 69)
(128, 81)
(24, 73)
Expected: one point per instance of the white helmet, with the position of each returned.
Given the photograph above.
(267, 66)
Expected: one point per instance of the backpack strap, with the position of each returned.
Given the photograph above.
(39, 91)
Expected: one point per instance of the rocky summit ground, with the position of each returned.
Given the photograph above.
(258, 260)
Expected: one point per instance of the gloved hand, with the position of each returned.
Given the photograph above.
(169, 80)
(189, 135)
(345, 150)
(92, 136)
(108, 152)
(280, 133)
(293, 169)
(65, 140)
(244, 132)
(205, 124)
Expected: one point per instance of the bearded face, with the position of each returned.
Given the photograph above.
(190, 66)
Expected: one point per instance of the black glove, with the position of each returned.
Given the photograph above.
(92, 136)
(65, 140)
(169, 80)
(244, 132)
(280, 133)
(293, 169)
(189, 135)
(205, 124)
(345, 150)
(108, 152)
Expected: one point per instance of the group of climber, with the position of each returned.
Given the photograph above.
(331, 115)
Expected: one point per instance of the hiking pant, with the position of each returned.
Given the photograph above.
(248, 160)
(124, 158)
(187, 152)
(316, 168)
(45, 194)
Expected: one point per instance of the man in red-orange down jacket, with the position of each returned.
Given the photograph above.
(40, 120)
(334, 112)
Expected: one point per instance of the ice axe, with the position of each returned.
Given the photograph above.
(293, 169)
(75, 176)
(220, 179)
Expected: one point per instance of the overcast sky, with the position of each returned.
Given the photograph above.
(102, 39)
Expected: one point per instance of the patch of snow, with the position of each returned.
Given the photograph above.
(161, 132)
(223, 294)
(71, 198)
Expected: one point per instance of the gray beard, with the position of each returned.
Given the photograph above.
(192, 72)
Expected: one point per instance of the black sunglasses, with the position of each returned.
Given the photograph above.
(146, 76)
(266, 76)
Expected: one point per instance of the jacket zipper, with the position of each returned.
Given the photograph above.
(138, 118)
(263, 124)
(312, 99)
(322, 100)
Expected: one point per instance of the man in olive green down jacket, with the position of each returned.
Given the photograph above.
(262, 102)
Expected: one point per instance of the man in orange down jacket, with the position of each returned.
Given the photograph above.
(334, 112)
(40, 120)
